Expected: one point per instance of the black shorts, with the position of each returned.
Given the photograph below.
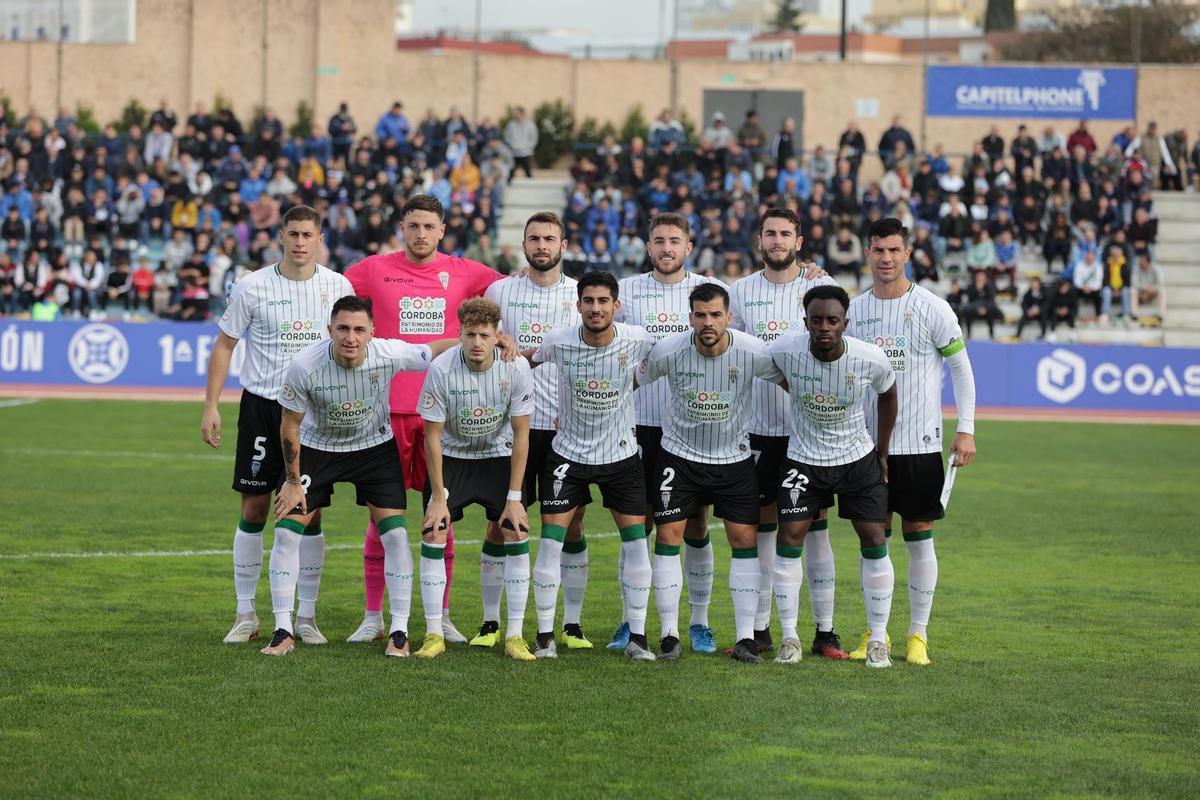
(258, 464)
(375, 472)
(649, 439)
(480, 480)
(769, 454)
(915, 486)
(862, 495)
(565, 485)
(539, 451)
(682, 488)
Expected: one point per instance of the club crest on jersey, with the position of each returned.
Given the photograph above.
(324, 296)
(850, 380)
(557, 487)
(666, 500)
(908, 316)
(255, 467)
(504, 386)
(444, 279)
(375, 379)
(623, 361)
(794, 495)
(733, 374)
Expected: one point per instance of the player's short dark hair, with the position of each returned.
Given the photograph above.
(597, 279)
(351, 303)
(887, 227)
(827, 292)
(302, 213)
(423, 202)
(672, 220)
(546, 218)
(478, 311)
(779, 212)
(707, 292)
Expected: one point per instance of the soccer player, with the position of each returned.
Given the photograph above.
(278, 310)
(532, 305)
(658, 301)
(918, 332)
(706, 458)
(476, 409)
(334, 430)
(831, 453)
(595, 445)
(415, 293)
(768, 304)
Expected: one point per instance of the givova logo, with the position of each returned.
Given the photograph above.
(1061, 376)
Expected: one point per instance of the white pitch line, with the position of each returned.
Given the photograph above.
(19, 401)
(143, 454)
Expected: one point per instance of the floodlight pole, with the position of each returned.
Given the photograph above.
(475, 81)
(925, 76)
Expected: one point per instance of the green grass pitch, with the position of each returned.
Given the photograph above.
(1064, 637)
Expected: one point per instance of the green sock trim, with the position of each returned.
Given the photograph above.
(437, 552)
(313, 529)
(918, 536)
(745, 552)
(787, 551)
(887, 533)
(391, 523)
(250, 527)
(666, 549)
(295, 526)
(518, 548)
(819, 525)
(875, 552)
(493, 549)
(633, 533)
(556, 532)
(767, 527)
(575, 547)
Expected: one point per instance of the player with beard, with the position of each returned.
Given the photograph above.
(769, 304)
(532, 305)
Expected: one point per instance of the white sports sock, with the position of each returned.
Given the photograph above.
(822, 577)
(574, 575)
(516, 587)
(922, 581)
(878, 582)
(546, 575)
(635, 584)
(667, 580)
(433, 584)
(621, 583)
(766, 566)
(312, 563)
(283, 569)
(247, 565)
(698, 563)
(788, 576)
(491, 580)
(398, 576)
(744, 575)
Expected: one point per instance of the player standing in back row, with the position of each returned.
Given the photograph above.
(279, 310)
(919, 332)
(415, 293)
(770, 304)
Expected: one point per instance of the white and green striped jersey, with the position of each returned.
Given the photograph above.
(476, 407)
(708, 397)
(827, 398)
(662, 309)
(527, 313)
(595, 392)
(917, 332)
(347, 409)
(770, 310)
(278, 317)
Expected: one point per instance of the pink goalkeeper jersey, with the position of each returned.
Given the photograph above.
(417, 303)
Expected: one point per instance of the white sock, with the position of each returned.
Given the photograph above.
(878, 582)
(516, 586)
(546, 575)
(635, 584)
(491, 580)
(822, 577)
(766, 566)
(667, 580)
(312, 563)
(283, 569)
(247, 565)
(574, 574)
(788, 576)
(698, 563)
(621, 583)
(922, 581)
(398, 575)
(744, 575)
(433, 584)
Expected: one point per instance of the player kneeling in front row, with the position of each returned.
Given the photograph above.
(335, 407)
(831, 453)
(477, 409)
(706, 458)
